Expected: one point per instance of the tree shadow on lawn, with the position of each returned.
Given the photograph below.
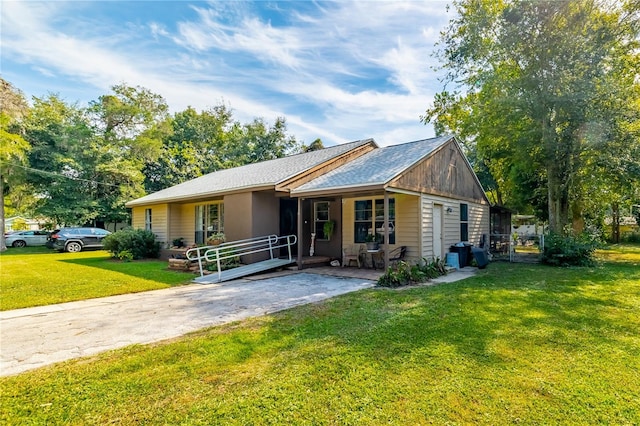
(491, 318)
(509, 324)
(150, 269)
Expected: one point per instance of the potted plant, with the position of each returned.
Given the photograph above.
(327, 228)
(216, 239)
(178, 242)
(372, 243)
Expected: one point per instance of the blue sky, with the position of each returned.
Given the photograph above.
(337, 71)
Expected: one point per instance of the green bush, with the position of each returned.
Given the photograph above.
(434, 268)
(632, 237)
(125, 256)
(396, 276)
(560, 250)
(404, 274)
(139, 243)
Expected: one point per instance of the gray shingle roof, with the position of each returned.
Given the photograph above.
(266, 173)
(376, 167)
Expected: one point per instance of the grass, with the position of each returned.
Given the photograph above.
(517, 344)
(35, 276)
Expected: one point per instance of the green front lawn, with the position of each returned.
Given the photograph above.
(34, 276)
(517, 344)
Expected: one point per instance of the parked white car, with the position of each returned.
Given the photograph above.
(26, 238)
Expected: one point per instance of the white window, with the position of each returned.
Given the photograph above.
(320, 219)
(148, 220)
(369, 219)
(209, 221)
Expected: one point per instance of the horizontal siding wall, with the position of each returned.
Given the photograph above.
(408, 225)
(478, 223)
(183, 220)
(348, 217)
(406, 222)
(478, 220)
(137, 217)
(159, 220)
(179, 214)
(426, 230)
(451, 223)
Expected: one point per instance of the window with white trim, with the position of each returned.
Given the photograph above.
(148, 220)
(369, 219)
(320, 218)
(209, 221)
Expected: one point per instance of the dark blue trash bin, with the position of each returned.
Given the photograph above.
(464, 253)
(481, 257)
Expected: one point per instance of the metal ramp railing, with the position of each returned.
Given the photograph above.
(234, 249)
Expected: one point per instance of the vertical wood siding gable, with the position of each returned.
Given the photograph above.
(444, 173)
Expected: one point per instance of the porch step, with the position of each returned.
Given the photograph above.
(242, 271)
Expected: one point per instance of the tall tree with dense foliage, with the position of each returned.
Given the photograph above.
(129, 126)
(86, 163)
(203, 142)
(13, 147)
(195, 146)
(258, 141)
(62, 160)
(539, 88)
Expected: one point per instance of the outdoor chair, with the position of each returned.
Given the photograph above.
(396, 255)
(352, 254)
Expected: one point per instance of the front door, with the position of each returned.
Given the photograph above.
(437, 231)
(289, 222)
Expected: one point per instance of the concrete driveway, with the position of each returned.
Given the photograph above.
(35, 337)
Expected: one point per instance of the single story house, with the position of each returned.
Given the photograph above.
(20, 223)
(422, 195)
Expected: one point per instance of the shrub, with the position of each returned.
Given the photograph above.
(433, 268)
(139, 243)
(569, 250)
(404, 274)
(396, 276)
(632, 237)
(125, 256)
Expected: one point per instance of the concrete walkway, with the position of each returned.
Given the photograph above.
(35, 337)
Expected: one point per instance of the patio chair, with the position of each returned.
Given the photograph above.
(396, 255)
(352, 254)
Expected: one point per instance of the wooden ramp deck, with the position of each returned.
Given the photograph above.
(244, 270)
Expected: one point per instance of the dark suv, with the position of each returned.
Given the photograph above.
(77, 239)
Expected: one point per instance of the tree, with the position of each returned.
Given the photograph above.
(253, 142)
(13, 147)
(533, 77)
(201, 143)
(314, 146)
(131, 119)
(129, 126)
(195, 146)
(62, 159)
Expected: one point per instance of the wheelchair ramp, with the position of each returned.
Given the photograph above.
(235, 250)
(243, 271)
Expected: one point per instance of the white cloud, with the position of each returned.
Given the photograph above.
(339, 71)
